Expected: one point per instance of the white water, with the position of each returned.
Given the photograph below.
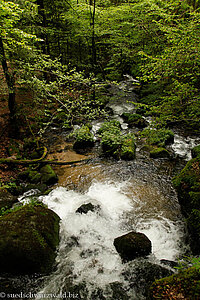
(182, 146)
(86, 254)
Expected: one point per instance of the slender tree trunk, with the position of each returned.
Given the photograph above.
(10, 81)
(94, 57)
(44, 36)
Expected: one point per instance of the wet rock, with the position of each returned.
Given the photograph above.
(28, 240)
(85, 208)
(6, 199)
(159, 153)
(141, 274)
(132, 245)
(170, 263)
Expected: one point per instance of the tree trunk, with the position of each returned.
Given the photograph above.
(10, 81)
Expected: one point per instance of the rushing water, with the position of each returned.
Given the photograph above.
(129, 196)
(87, 263)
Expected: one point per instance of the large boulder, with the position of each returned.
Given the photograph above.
(132, 245)
(187, 184)
(28, 240)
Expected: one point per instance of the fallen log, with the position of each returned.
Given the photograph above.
(11, 161)
(47, 161)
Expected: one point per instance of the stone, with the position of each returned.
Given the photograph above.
(6, 199)
(159, 153)
(128, 149)
(48, 176)
(132, 245)
(29, 237)
(85, 208)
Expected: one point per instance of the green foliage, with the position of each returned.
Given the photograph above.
(159, 137)
(83, 134)
(114, 143)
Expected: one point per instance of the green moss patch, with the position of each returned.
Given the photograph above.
(185, 285)
(83, 138)
(28, 240)
(159, 153)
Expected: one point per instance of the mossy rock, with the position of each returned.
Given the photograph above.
(48, 176)
(159, 153)
(132, 245)
(159, 137)
(193, 223)
(28, 240)
(187, 181)
(128, 148)
(195, 151)
(83, 138)
(184, 285)
(34, 176)
(134, 120)
(187, 184)
(6, 199)
(114, 143)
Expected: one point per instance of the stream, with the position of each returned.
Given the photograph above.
(135, 195)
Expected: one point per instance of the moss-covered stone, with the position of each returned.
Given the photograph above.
(159, 153)
(128, 148)
(184, 285)
(159, 137)
(28, 240)
(132, 245)
(48, 176)
(134, 120)
(187, 181)
(83, 138)
(195, 151)
(6, 199)
(114, 143)
(193, 223)
(187, 184)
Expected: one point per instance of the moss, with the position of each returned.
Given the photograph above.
(188, 180)
(159, 137)
(185, 284)
(195, 151)
(114, 143)
(83, 138)
(134, 120)
(28, 240)
(48, 176)
(128, 148)
(159, 153)
(187, 184)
